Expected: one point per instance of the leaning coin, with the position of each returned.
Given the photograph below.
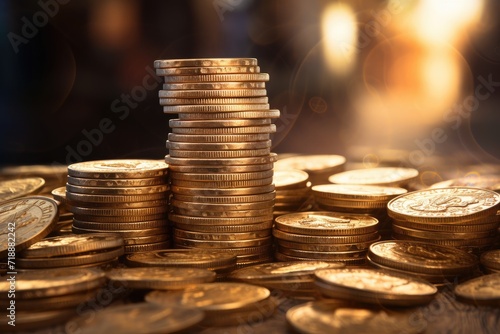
(16, 188)
(160, 278)
(481, 290)
(145, 318)
(24, 221)
(72, 244)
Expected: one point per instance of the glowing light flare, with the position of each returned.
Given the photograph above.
(339, 33)
(442, 21)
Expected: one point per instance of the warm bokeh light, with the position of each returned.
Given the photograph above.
(339, 33)
(444, 20)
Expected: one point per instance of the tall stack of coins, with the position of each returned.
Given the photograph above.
(358, 199)
(324, 236)
(319, 167)
(219, 155)
(460, 217)
(128, 197)
(293, 191)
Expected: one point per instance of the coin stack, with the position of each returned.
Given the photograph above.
(224, 304)
(319, 167)
(219, 155)
(128, 197)
(89, 250)
(324, 236)
(490, 261)
(292, 279)
(434, 263)
(358, 199)
(293, 191)
(461, 217)
(49, 297)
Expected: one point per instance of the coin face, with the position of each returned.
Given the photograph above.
(135, 318)
(212, 296)
(376, 176)
(483, 289)
(311, 163)
(326, 223)
(336, 318)
(119, 168)
(11, 189)
(378, 281)
(278, 270)
(445, 204)
(422, 257)
(24, 221)
(289, 177)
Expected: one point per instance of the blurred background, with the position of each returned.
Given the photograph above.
(412, 82)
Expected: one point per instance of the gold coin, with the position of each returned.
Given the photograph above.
(209, 108)
(222, 207)
(217, 220)
(222, 214)
(290, 179)
(217, 77)
(325, 239)
(214, 101)
(117, 183)
(72, 260)
(222, 184)
(162, 188)
(196, 243)
(11, 189)
(491, 259)
(211, 169)
(114, 226)
(55, 282)
(225, 199)
(221, 236)
(207, 70)
(112, 212)
(258, 129)
(128, 249)
(112, 200)
(177, 123)
(350, 247)
(326, 223)
(145, 318)
(313, 164)
(224, 228)
(483, 225)
(455, 205)
(201, 258)
(350, 204)
(249, 114)
(325, 256)
(205, 62)
(218, 139)
(456, 243)
(490, 182)
(219, 154)
(347, 261)
(218, 146)
(124, 233)
(422, 257)
(57, 302)
(212, 297)
(119, 219)
(356, 192)
(222, 162)
(24, 221)
(222, 192)
(374, 286)
(356, 210)
(336, 317)
(238, 251)
(148, 239)
(216, 93)
(481, 290)
(160, 278)
(116, 205)
(118, 169)
(213, 86)
(382, 176)
(72, 244)
(222, 176)
(423, 234)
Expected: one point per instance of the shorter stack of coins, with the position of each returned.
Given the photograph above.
(293, 191)
(490, 261)
(324, 236)
(89, 250)
(434, 263)
(460, 217)
(48, 297)
(224, 304)
(358, 199)
(374, 286)
(128, 197)
(220, 155)
(318, 167)
(292, 279)
(222, 263)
